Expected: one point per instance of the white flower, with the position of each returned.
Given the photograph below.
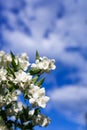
(52, 65)
(24, 56)
(3, 127)
(42, 120)
(39, 116)
(15, 98)
(37, 96)
(7, 58)
(19, 107)
(39, 92)
(20, 104)
(3, 73)
(48, 64)
(23, 61)
(42, 101)
(2, 53)
(10, 78)
(31, 112)
(34, 65)
(22, 76)
(33, 101)
(15, 95)
(45, 122)
(24, 64)
(1, 98)
(33, 89)
(44, 63)
(26, 123)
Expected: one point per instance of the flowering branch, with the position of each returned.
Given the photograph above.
(19, 77)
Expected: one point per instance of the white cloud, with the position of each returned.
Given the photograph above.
(72, 24)
(40, 16)
(70, 101)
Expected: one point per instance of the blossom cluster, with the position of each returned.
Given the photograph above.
(19, 77)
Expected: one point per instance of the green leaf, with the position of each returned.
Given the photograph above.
(13, 60)
(0, 118)
(34, 80)
(13, 63)
(40, 82)
(37, 55)
(12, 55)
(34, 71)
(10, 71)
(37, 111)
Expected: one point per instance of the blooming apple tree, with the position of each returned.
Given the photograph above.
(20, 78)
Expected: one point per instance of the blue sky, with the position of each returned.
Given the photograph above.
(57, 29)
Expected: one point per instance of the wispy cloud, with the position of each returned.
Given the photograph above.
(67, 26)
(70, 101)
